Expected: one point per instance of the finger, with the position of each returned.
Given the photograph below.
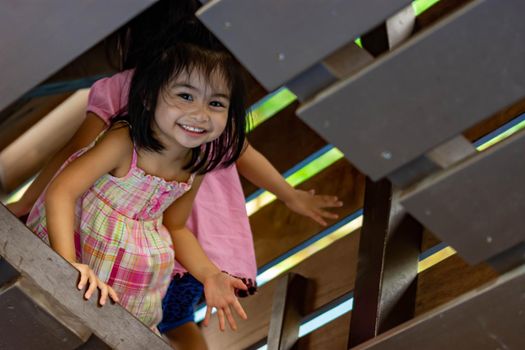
(103, 294)
(237, 283)
(331, 202)
(113, 295)
(229, 317)
(220, 314)
(83, 279)
(317, 218)
(240, 311)
(327, 214)
(207, 317)
(92, 285)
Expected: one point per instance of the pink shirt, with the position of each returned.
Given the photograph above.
(218, 219)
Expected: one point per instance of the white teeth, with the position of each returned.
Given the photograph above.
(191, 128)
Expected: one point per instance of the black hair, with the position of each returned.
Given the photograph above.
(192, 49)
(161, 20)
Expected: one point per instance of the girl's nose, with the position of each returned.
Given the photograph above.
(200, 114)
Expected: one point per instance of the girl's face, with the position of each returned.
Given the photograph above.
(192, 110)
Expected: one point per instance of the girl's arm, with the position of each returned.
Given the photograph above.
(113, 152)
(218, 286)
(90, 128)
(258, 170)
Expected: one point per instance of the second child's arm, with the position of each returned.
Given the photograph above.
(259, 171)
(219, 287)
(113, 152)
(90, 128)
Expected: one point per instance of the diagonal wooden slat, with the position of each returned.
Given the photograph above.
(490, 317)
(441, 82)
(287, 311)
(38, 38)
(463, 205)
(385, 286)
(276, 40)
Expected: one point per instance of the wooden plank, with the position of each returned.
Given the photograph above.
(56, 279)
(402, 128)
(8, 273)
(334, 335)
(331, 280)
(496, 121)
(340, 64)
(38, 48)
(437, 285)
(437, 12)
(462, 205)
(448, 280)
(276, 229)
(385, 288)
(25, 324)
(440, 157)
(287, 42)
(487, 318)
(287, 311)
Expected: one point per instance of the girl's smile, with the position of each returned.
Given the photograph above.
(192, 130)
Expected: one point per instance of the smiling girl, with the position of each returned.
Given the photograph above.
(118, 207)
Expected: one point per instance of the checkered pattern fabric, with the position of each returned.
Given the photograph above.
(119, 234)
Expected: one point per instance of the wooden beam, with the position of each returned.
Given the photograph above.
(448, 280)
(331, 336)
(290, 37)
(37, 48)
(287, 311)
(463, 205)
(461, 90)
(486, 318)
(27, 323)
(385, 288)
(53, 280)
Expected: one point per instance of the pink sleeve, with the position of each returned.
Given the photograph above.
(109, 96)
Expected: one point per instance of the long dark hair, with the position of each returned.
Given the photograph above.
(150, 29)
(154, 73)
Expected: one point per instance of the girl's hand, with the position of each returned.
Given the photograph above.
(87, 275)
(219, 293)
(309, 204)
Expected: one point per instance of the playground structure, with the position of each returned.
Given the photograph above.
(413, 105)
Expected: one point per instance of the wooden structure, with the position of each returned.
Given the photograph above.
(405, 106)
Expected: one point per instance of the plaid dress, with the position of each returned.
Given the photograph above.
(119, 234)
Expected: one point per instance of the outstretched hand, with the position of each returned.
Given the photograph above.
(87, 275)
(309, 204)
(219, 290)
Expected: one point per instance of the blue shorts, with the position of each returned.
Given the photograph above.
(178, 305)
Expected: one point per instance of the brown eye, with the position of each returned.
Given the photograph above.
(217, 104)
(186, 97)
